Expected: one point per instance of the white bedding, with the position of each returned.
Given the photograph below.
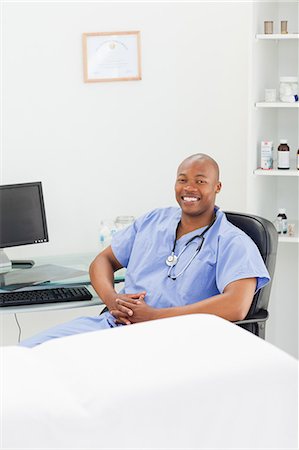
(187, 382)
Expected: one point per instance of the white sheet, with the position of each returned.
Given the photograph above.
(187, 382)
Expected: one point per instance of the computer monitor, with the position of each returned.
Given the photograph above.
(22, 219)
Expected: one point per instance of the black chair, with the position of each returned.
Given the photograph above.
(264, 234)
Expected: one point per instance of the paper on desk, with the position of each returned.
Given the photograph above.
(37, 275)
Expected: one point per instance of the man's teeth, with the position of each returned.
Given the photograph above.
(190, 199)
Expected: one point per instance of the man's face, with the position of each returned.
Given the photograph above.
(196, 187)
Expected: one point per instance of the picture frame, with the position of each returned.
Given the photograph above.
(111, 56)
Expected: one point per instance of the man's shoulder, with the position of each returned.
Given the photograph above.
(230, 232)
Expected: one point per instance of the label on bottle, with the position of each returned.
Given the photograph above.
(283, 160)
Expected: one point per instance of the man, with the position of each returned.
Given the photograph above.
(182, 260)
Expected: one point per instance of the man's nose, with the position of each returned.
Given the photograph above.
(190, 186)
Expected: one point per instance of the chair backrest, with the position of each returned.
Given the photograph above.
(264, 234)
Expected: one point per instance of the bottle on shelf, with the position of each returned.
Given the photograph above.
(106, 231)
(298, 159)
(281, 222)
(283, 155)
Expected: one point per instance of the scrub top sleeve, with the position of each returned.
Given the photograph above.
(122, 243)
(238, 258)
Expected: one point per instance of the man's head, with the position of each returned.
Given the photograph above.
(197, 184)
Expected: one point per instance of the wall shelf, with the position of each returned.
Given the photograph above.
(276, 105)
(277, 36)
(277, 173)
(289, 239)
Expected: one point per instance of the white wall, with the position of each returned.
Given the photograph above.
(105, 149)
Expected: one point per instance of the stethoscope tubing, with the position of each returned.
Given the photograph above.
(201, 236)
(174, 277)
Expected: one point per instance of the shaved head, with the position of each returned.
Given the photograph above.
(201, 157)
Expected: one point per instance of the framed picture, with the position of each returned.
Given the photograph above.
(111, 56)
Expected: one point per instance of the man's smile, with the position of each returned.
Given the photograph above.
(190, 199)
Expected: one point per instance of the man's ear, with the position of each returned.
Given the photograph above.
(218, 187)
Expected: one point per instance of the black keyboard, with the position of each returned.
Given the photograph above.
(41, 296)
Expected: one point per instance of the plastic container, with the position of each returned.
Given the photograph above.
(266, 155)
(283, 155)
(288, 89)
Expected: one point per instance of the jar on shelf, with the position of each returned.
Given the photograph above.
(123, 222)
(288, 89)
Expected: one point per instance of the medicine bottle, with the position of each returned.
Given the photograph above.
(283, 155)
(298, 159)
(283, 221)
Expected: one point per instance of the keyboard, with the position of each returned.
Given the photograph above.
(42, 296)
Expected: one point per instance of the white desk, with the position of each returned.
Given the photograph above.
(80, 261)
(24, 321)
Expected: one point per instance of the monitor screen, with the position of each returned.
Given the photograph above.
(22, 215)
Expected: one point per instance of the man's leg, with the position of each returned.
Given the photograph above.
(80, 325)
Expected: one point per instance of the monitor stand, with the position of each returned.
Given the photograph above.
(6, 264)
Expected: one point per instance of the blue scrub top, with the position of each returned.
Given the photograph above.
(227, 255)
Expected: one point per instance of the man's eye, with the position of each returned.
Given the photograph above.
(201, 181)
(181, 180)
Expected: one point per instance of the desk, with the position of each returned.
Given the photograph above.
(79, 261)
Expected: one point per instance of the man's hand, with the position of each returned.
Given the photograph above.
(136, 309)
(121, 314)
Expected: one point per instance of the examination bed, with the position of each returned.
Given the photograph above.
(193, 381)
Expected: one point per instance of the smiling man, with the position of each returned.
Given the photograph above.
(180, 260)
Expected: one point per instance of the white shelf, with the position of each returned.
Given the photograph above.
(277, 172)
(289, 239)
(276, 105)
(277, 36)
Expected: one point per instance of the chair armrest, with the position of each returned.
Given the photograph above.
(260, 316)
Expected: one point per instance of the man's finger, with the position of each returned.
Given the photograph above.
(128, 302)
(137, 294)
(124, 308)
(119, 317)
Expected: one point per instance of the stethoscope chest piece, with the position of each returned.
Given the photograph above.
(171, 260)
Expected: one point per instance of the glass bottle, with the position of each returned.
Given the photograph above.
(283, 155)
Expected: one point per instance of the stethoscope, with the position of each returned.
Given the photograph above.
(172, 259)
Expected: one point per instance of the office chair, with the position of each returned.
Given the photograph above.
(264, 234)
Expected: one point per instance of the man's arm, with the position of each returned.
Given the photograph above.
(101, 273)
(233, 304)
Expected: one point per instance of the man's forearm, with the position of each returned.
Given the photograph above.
(102, 279)
(209, 306)
(233, 304)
